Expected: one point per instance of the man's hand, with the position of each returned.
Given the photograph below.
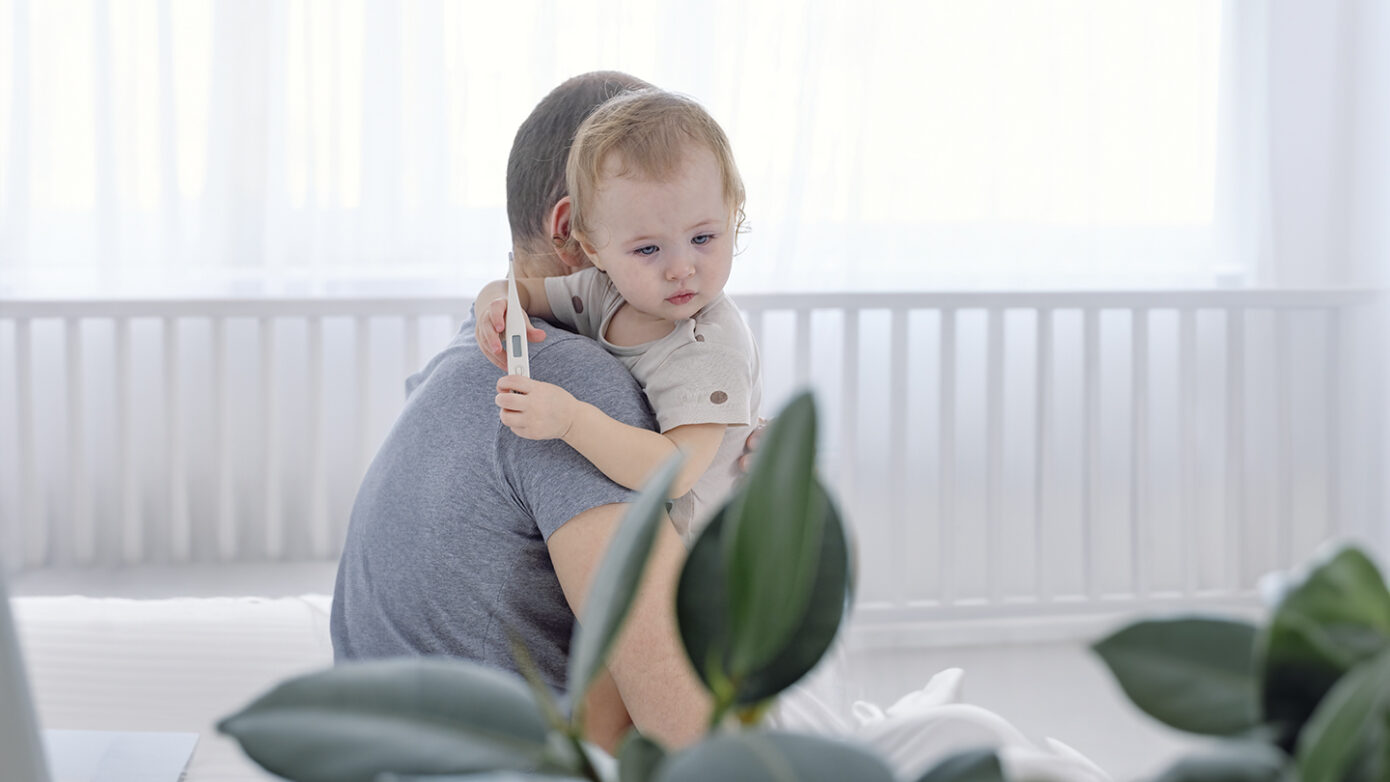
(537, 411)
(751, 445)
(491, 326)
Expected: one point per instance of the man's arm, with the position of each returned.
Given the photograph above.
(648, 663)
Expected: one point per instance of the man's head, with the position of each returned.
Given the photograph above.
(536, 171)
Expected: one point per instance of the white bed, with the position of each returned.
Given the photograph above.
(182, 663)
(175, 664)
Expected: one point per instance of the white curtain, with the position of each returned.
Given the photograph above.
(320, 146)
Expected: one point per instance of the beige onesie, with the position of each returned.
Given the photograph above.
(706, 371)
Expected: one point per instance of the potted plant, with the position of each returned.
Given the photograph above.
(1304, 695)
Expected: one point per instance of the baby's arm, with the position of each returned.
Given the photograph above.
(626, 454)
(490, 314)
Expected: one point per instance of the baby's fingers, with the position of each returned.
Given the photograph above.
(497, 310)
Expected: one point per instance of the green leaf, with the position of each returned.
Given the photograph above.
(639, 758)
(1350, 724)
(496, 776)
(703, 614)
(615, 582)
(976, 765)
(702, 604)
(820, 621)
(417, 716)
(1337, 616)
(1242, 761)
(772, 539)
(1193, 674)
(773, 757)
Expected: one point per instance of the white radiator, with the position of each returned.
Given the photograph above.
(998, 454)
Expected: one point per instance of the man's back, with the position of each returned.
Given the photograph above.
(446, 548)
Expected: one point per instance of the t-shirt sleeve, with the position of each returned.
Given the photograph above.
(552, 480)
(577, 300)
(702, 383)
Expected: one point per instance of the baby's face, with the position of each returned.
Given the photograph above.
(667, 246)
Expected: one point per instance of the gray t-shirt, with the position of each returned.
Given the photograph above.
(706, 371)
(446, 547)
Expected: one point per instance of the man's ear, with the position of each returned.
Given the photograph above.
(559, 225)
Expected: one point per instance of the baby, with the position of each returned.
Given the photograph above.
(655, 204)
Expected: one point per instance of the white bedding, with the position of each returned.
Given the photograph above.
(181, 664)
(168, 665)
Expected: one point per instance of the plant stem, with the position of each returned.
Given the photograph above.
(585, 767)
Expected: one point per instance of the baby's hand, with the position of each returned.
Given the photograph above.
(491, 328)
(537, 411)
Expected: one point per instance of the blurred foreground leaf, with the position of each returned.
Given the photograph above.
(771, 539)
(761, 756)
(705, 623)
(1335, 618)
(414, 716)
(1230, 762)
(1194, 674)
(976, 765)
(1350, 726)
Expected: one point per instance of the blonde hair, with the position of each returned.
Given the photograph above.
(652, 130)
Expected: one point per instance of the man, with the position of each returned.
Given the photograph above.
(462, 531)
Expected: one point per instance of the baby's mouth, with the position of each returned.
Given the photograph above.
(682, 297)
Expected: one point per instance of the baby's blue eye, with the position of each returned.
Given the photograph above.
(703, 239)
(648, 250)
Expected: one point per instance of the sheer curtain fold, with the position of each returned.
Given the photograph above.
(330, 145)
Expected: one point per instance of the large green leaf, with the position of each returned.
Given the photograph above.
(820, 621)
(615, 583)
(1335, 618)
(1194, 674)
(414, 716)
(975, 765)
(638, 758)
(1350, 725)
(704, 616)
(749, 756)
(1242, 761)
(496, 776)
(772, 539)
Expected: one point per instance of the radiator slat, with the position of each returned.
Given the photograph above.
(1235, 448)
(33, 515)
(994, 481)
(1042, 445)
(78, 541)
(897, 444)
(274, 544)
(125, 544)
(1283, 443)
(319, 532)
(180, 540)
(1187, 379)
(223, 538)
(946, 507)
(1139, 451)
(1090, 450)
(849, 410)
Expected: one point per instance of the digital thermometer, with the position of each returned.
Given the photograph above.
(518, 358)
